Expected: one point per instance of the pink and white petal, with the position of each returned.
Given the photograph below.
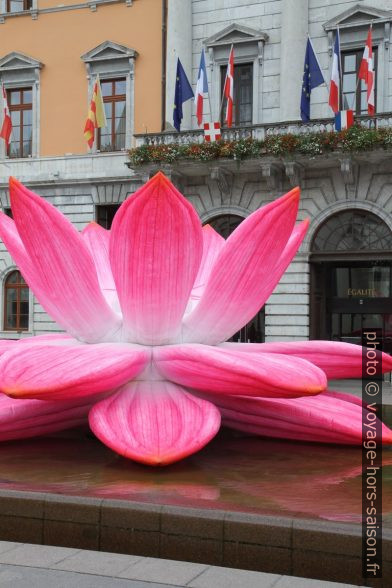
(57, 266)
(244, 274)
(97, 240)
(21, 419)
(6, 345)
(50, 339)
(336, 359)
(224, 372)
(156, 423)
(212, 246)
(155, 252)
(52, 372)
(326, 418)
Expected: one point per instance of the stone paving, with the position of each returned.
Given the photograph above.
(25, 565)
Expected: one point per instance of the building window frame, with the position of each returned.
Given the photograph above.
(18, 286)
(19, 71)
(248, 46)
(21, 107)
(236, 110)
(113, 61)
(112, 99)
(26, 6)
(360, 87)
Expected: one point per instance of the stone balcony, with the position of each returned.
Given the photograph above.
(275, 170)
(260, 131)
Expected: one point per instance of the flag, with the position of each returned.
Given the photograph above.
(344, 120)
(334, 89)
(312, 78)
(229, 89)
(212, 132)
(182, 93)
(6, 128)
(201, 88)
(366, 73)
(96, 118)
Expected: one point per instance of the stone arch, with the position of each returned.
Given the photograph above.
(337, 207)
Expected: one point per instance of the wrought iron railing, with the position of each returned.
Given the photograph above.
(260, 131)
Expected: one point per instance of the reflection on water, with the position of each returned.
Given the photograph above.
(233, 472)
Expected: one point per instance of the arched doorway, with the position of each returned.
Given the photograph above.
(254, 331)
(351, 277)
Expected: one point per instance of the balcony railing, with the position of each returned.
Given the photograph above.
(260, 131)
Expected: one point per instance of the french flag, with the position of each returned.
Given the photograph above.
(201, 88)
(344, 120)
(334, 89)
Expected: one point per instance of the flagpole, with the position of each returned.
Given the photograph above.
(209, 97)
(223, 93)
(340, 74)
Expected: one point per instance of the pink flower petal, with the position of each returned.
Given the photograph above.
(155, 251)
(21, 419)
(63, 372)
(212, 246)
(57, 265)
(6, 345)
(156, 423)
(245, 272)
(229, 372)
(336, 359)
(325, 418)
(97, 240)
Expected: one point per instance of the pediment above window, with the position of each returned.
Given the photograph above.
(18, 67)
(359, 16)
(248, 43)
(354, 23)
(109, 57)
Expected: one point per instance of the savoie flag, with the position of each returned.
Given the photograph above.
(344, 120)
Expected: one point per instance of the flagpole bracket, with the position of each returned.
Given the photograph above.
(224, 179)
(348, 169)
(294, 172)
(387, 35)
(330, 43)
(272, 174)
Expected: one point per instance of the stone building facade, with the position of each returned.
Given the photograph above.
(340, 281)
(341, 278)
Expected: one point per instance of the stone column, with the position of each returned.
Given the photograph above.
(295, 18)
(179, 45)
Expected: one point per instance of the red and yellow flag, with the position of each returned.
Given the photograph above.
(96, 118)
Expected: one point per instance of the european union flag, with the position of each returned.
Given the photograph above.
(183, 92)
(311, 79)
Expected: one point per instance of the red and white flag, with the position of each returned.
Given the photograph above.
(201, 88)
(366, 73)
(212, 132)
(6, 128)
(229, 89)
(334, 89)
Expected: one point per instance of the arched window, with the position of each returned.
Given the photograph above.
(225, 224)
(352, 230)
(16, 303)
(254, 331)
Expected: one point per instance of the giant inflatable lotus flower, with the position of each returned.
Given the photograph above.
(147, 308)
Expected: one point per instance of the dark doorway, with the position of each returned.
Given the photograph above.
(351, 278)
